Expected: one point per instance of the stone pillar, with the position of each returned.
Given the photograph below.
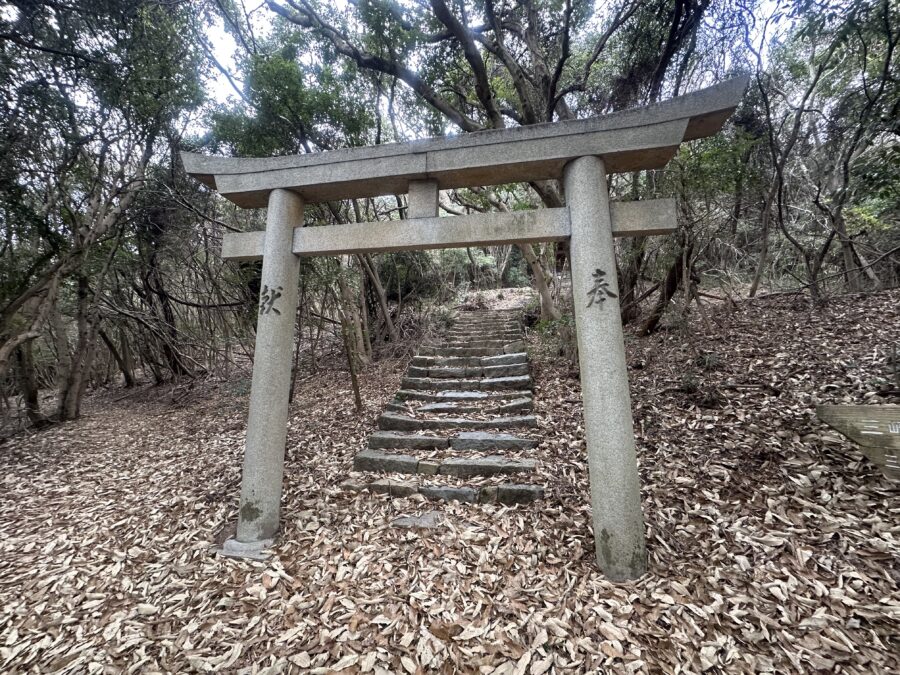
(267, 423)
(612, 461)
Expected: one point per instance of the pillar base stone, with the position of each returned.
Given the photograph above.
(246, 550)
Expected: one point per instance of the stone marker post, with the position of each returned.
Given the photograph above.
(267, 422)
(612, 460)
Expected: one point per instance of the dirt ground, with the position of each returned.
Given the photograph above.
(774, 545)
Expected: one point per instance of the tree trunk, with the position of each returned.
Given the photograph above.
(851, 275)
(473, 268)
(364, 324)
(73, 386)
(673, 278)
(368, 264)
(28, 384)
(351, 363)
(549, 310)
(350, 310)
(128, 356)
(629, 276)
(764, 251)
(866, 266)
(127, 372)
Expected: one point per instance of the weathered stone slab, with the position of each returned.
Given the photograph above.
(498, 319)
(492, 319)
(509, 493)
(467, 351)
(396, 439)
(449, 361)
(469, 331)
(480, 440)
(515, 382)
(453, 372)
(483, 334)
(475, 343)
(468, 361)
(514, 347)
(416, 371)
(468, 372)
(460, 395)
(429, 383)
(428, 521)
(456, 372)
(480, 395)
(464, 467)
(418, 395)
(451, 407)
(375, 460)
(398, 422)
(505, 370)
(448, 493)
(516, 405)
(463, 372)
(484, 384)
(394, 488)
(505, 359)
(428, 467)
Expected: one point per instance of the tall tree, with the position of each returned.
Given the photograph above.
(91, 88)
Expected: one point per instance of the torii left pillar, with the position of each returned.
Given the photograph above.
(263, 471)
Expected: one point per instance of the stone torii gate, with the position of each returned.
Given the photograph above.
(581, 153)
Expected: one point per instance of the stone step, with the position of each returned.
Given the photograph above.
(462, 407)
(497, 320)
(400, 439)
(469, 371)
(461, 395)
(392, 421)
(467, 361)
(477, 332)
(516, 405)
(483, 384)
(510, 336)
(462, 467)
(466, 440)
(459, 351)
(455, 407)
(509, 348)
(485, 440)
(485, 328)
(506, 493)
(494, 317)
(474, 343)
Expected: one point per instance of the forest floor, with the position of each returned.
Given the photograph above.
(774, 545)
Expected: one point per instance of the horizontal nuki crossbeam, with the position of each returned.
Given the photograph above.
(629, 219)
(631, 140)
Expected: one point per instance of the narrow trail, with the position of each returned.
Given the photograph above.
(447, 433)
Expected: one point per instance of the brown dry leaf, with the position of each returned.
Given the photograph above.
(773, 544)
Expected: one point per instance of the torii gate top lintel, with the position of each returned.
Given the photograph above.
(640, 138)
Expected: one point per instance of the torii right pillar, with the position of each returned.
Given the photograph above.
(608, 428)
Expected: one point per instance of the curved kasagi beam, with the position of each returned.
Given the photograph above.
(630, 140)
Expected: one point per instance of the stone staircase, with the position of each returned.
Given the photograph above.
(447, 434)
